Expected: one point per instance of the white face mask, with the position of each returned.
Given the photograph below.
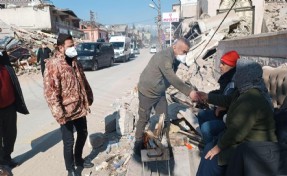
(181, 58)
(71, 52)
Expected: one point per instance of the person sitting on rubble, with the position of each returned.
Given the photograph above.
(158, 75)
(210, 120)
(249, 126)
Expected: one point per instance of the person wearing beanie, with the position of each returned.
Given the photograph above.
(210, 120)
(69, 96)
(248, 144)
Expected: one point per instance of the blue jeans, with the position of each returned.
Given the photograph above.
(210, 167)
(209, 124)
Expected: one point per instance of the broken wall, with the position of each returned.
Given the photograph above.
(210, 7)
(33, 19)
(267, 49)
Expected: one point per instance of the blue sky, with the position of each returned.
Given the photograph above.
(116, 11)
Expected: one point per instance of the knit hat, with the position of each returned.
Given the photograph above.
(230, 58)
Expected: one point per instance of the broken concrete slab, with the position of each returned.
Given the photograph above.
(191, 118)
(198, 51)
(173, 110)
(213, 22)
(125, 122)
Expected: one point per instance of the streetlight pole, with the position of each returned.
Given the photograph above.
(159, 31)
(159, 24)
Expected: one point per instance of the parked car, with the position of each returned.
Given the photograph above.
(95, 55)
(153, 50)
(136, 51)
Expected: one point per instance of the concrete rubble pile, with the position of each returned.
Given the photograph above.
(276, 16)
(27, 43)
(34, 38)
(110, 153)
(31, 39)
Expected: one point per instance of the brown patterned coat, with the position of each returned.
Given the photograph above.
(66, 89)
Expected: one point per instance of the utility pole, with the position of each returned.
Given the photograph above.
(157, 6)
(159, 25)
(93, 24)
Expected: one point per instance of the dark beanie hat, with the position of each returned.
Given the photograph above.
(62, 38)
(230, 58)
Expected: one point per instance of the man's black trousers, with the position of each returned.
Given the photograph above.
(68, 140)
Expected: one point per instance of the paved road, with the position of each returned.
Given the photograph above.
(38, 143)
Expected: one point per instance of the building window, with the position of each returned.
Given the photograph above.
(87, 36)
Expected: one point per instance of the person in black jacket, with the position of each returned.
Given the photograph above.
(210, 120)
(43, 53)
(11, 102)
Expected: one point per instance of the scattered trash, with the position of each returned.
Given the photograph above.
(112, 145)
(102, 166)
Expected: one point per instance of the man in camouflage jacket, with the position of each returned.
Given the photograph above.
(69, 96)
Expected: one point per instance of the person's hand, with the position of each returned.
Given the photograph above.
(45, 60)
(202, 96)
(193, 95)
(218, 110)
(211, 153)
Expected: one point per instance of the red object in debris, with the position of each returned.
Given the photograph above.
(188, 146)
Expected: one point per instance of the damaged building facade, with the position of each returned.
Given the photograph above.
(247, 10)
(43, 17)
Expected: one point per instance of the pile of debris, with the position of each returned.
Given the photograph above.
(276, 16)
(110, 153)
(23, 45)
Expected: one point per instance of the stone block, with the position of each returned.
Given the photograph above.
(125, 122)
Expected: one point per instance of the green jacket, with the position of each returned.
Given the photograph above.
(159, 74)
(249, 118)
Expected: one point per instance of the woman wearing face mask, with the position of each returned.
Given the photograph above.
(69, 96)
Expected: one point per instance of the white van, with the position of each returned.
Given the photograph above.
(122, 47)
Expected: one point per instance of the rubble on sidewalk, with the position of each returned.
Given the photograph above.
(110, 158)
